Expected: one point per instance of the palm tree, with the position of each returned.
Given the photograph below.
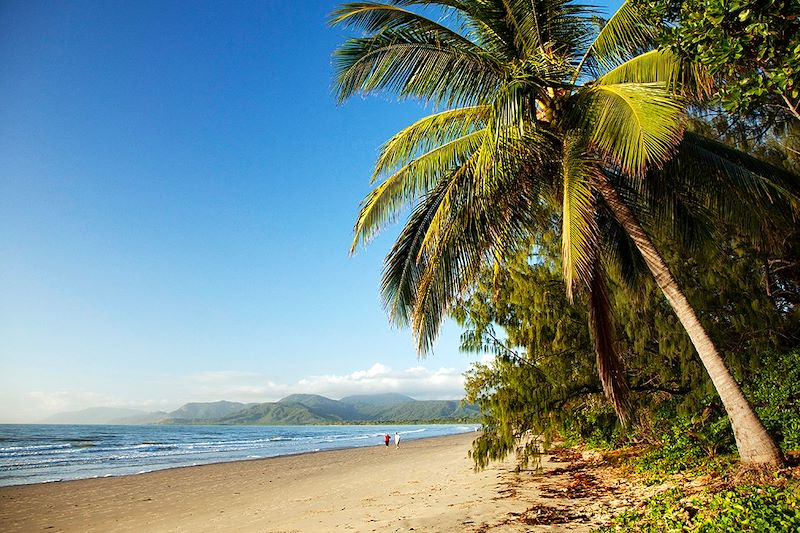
(540, 105)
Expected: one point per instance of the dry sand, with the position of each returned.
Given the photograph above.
(426, 485)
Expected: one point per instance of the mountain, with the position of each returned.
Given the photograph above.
(208, 410)
(377, 400)
(427, 410)
(93, 415)
(300, 409)
(297, 409)
(279, 413)
(404, 408)
(323, 407)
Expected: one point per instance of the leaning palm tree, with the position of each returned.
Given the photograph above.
(539, 105)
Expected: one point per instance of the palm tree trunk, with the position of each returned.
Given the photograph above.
(755, 445)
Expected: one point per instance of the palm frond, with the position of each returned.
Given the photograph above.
(706, 182)
(579, 228)
(376, 18)
(411, 56)
(524, 25)
(478, 230)
(620, 250)
(623, 36)
(414, 180)
(610, 366)
(666, 204)
(427, 134)
(418, 284)
(634, 126)
(662, 66)
(402, 269)
(767, 182)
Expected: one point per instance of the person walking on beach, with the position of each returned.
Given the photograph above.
(386, 440)
(396, 440)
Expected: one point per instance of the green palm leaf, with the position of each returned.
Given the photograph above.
(411, 182)
(427, 134)
(476, 231)
(626, 34)
(411, 56)
(579, 228)
(634, 126)
(707, 181)
(662, 66)
(402, 268)
(373, 17)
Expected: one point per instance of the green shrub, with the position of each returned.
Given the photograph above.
(745, 508)
(701, 444)
(775, 393)
(594, 423)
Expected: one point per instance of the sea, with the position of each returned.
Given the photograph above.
(32, 453)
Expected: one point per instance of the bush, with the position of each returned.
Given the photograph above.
(702, 443)
(745, 508)
(775, 393)
(592, 422)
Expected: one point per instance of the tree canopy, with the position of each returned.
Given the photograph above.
(544, 111)
(751, 46)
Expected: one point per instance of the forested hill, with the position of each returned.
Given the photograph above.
(297, 409)
(314, 409)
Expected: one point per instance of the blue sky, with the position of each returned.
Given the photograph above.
(177, 194)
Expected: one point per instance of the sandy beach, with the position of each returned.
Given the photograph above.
(426, 485)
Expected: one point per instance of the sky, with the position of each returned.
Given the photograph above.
(178, 187)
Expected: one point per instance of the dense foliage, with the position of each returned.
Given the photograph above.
(688, 447)
(752, 47)
(743, 508)
(542, 107)
(775, 393)
(542, 382)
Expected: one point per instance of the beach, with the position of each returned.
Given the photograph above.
(425, 485)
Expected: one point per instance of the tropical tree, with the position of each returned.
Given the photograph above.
(753, 46)
(541, 106)
(540, 383)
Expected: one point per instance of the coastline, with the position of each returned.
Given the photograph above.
(426, 485)
(375, 487)
(58, 453)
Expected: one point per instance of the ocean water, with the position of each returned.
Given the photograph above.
(47, 453)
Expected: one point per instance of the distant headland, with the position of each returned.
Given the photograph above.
(296, 409)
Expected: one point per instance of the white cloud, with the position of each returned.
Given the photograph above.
(419, 382)
(212, 385)
(67, 400)
(376, 370)
(37, 405)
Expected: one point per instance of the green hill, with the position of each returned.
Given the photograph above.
(281, 413)
(374, 401)
(427, 410)
(304, 409)
(323, 407)
(208, 411)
